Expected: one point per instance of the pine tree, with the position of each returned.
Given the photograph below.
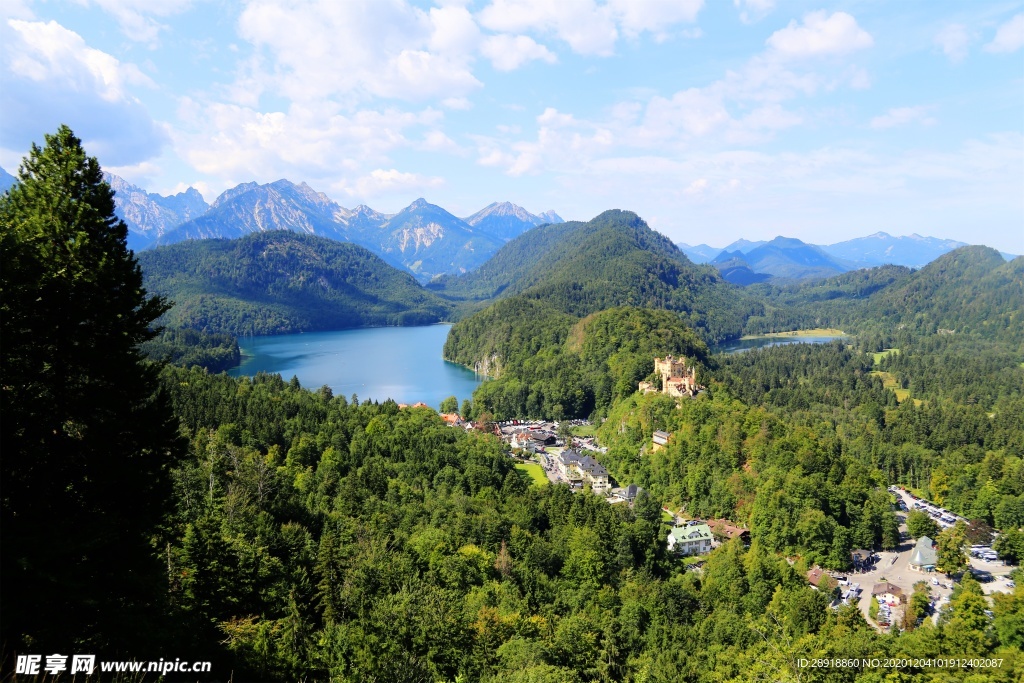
(86, 440)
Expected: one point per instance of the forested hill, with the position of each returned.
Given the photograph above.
(548, 363)
(613, 260)
(558, 251)
(279, 282)
(971, 290)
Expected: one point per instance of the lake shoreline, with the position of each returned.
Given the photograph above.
(403, 363)
(815, 332)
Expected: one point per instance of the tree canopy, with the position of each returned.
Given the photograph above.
(86, 440)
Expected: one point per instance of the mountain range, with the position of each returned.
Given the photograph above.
(428, 241)
(423, 239)
(783, 257)
(6, 180)
(744, 262)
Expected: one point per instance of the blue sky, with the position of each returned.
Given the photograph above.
(712, 120)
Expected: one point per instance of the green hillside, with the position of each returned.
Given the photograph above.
(613, 260)
(549, 364)
(969, 291)
(280, 282)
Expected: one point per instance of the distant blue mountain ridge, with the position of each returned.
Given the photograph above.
(428, 241)
(744, 262)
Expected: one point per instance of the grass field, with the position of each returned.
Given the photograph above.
(882, 354)
(534, 472)
(816, 332)
(890, 383)
(584, 431)
(888, 380)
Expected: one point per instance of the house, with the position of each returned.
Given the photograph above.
(631, 492)
(923, 558)
(578, 469)
(661, 439)
(861, 558)
(815, 575)
(887, 592)
(726, 531)
(690, 540)
(451, 419)
(543, 439)
(531, 440)
(594, 473)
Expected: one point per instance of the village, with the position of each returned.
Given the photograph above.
(571, 458)
(880, 584)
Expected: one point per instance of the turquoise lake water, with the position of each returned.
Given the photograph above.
(377, 363)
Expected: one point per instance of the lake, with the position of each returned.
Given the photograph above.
(377, 363)
(766, 341)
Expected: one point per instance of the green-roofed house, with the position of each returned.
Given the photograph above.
(923, 557)
(690, 540)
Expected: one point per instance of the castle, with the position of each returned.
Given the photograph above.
(676, 378)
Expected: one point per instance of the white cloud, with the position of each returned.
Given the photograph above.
(454, 31)
(753, 10)
(51, 76)
(589, 27)
(1009, 37)
(697, 187)
(16, 9)
(437, 141)
(138, 173)
(51, 53)
(134, 17)
(457, 103)
(360, 49)
(562, 142)
(201, 186)
(820, 35)
(636, 16)
(695, 112)
(308, 141)
(900, 116)
(381, 181)
(508, 53)
(955, 40)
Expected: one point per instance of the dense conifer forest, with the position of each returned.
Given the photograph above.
(285, 533)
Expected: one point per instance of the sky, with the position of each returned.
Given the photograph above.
(718, 120)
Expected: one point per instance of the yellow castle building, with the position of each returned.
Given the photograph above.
(677, 377)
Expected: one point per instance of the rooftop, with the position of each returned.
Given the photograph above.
(697, 532)
(924, 554)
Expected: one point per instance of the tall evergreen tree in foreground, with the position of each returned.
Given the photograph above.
(86, 440)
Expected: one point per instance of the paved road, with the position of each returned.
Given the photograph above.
(894, 568)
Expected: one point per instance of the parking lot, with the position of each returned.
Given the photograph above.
(893, 566)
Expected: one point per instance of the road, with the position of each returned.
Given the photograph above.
(893, 566)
